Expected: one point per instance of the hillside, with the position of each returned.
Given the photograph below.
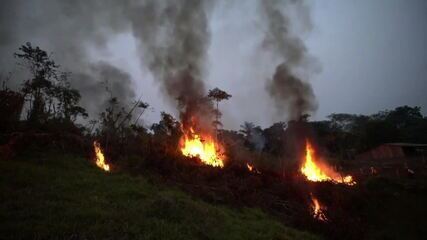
(67, 197)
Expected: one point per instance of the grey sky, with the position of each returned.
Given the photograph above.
(372, 54)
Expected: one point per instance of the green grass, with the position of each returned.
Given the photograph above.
(67, 197)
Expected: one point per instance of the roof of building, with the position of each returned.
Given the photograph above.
(407, 144)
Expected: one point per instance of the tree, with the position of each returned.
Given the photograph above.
(246, 129)
(254, 136)
(48, 91)
(274, 137)
(217, 95)
(39, 87)
(143, 106)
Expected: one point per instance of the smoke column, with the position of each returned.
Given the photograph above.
(293, 97)
(174, 38)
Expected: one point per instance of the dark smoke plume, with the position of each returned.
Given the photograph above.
(293, 96)
(174, 37)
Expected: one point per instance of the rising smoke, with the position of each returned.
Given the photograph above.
(67, 29)
(173, 37)
(292, 95)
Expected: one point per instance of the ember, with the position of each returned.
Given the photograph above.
(100, 160)
(319, 172)
(203, 147)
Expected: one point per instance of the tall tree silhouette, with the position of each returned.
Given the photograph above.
(217, 95)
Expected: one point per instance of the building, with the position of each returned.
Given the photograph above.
(393, 158)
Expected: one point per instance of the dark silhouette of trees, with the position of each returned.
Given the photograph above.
(11, 103)
(254, 136)
(275, 138)
(350, 132)
(47, 92)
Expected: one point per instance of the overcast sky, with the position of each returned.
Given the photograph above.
(371, 54)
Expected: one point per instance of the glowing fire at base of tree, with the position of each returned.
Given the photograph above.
(205, 148)
(100, 160)
(320, 172)
(318, 209)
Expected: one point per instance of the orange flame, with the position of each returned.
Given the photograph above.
(320, 172)
(206, 149)
(318, 209)
(250, 167)
(100, 160)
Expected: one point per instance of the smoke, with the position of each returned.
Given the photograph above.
(257, 140)
(96, 98)
(173, 37)
(292, 95)
(67, 29)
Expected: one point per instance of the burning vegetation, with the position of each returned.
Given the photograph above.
(318, 209)
(99, 157)
(203, 147)
(317, 171)
(169, 147)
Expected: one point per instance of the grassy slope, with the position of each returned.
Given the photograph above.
(70, 198)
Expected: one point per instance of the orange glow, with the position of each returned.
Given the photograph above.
(318, 209)
(205, 148)
(316, 171)
(100, 160)
(251, 168)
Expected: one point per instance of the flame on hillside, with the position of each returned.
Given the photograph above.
(100, 159)
(318, 209)
(203, 147)
(316, 171)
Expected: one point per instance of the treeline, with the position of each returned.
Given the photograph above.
(46, 105)
(342, 136)
(45, 113)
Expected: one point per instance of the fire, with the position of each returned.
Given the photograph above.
(250, 167)
(320, 172)
(205, 148)
(318, 209)
(100, 160)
